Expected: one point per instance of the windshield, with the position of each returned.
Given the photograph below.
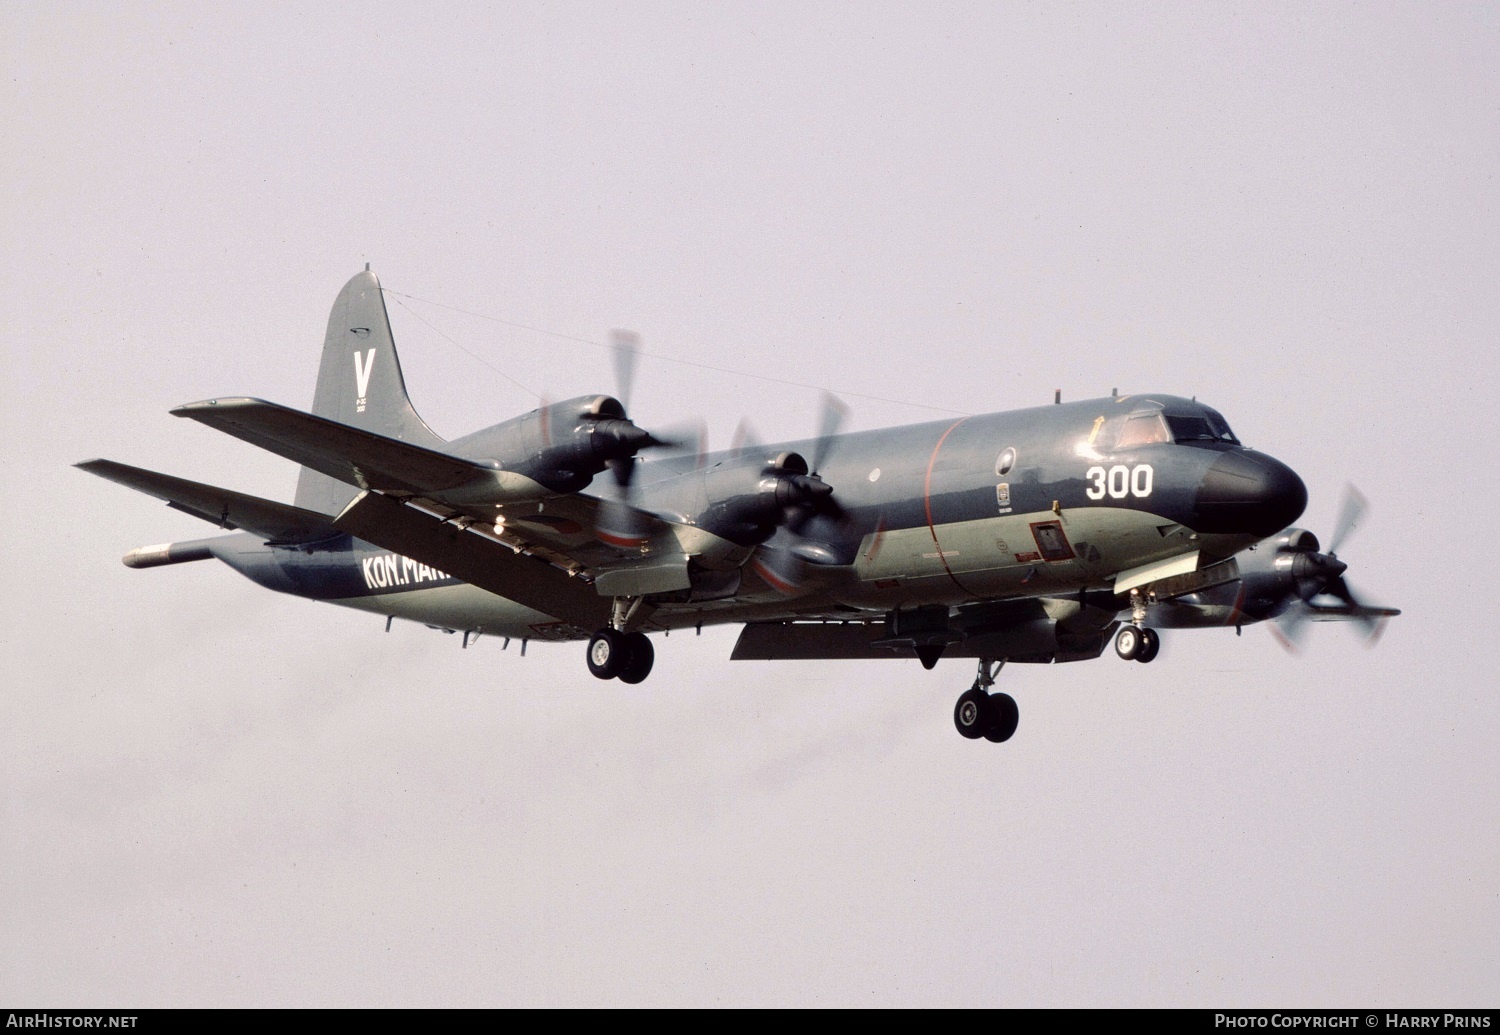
(1209, 427)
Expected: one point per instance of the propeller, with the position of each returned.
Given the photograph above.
(788, 561)
(1317, 574)
(687, 438)
(744, 440)
(620, 523)
(835, 413)
(1350, 511)
(618, 439)
(801, 490)
(626, 349)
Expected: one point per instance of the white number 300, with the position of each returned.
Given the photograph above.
(1120, 481)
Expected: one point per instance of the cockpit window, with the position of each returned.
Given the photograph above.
(1142, 429)
(1209, 427)
(1217, 424)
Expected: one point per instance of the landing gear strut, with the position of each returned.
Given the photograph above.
(979, 713)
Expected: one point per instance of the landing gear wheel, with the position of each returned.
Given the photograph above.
(1128, 642)
(1004, 718)
(639, 657)
(971, 715)
(608, 653)
(1150, 646)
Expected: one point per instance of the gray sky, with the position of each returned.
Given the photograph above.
(214, 795)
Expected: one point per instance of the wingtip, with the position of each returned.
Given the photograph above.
(193, 409)
(188, 409)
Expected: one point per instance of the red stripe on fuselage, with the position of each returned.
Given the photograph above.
(927, 504)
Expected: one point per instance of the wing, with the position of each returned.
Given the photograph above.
(441, 489)
(275, 522)
(349, 454)
(474, 557)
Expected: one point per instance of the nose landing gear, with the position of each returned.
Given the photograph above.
(980, 713)
(1134, 642)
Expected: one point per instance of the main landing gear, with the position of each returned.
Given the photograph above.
(1134, 642)
(624, 656)
(980, 713)
(616, 654)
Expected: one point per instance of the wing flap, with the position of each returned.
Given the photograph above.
(349, 454)
(474, 558)
(1156, 571)
(275, 522)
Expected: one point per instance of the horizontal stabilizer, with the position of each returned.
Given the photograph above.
(528, 581)
(353, 456)
(275, 522)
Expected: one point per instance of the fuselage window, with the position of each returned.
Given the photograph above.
(1142, 430)
(1005, 461)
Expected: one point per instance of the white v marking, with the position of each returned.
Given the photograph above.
(362, 372)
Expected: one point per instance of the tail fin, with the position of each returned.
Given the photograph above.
(360, 384)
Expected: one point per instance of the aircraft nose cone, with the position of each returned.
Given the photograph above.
(1250, 493)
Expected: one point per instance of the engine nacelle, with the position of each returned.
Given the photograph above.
(1274, 574)
(555, 449)
(749, 502)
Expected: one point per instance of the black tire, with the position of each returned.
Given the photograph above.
(1128, 642)
(1150, 646)
(607, 653)
(640, 655)
(971, 715)
(1004, 718)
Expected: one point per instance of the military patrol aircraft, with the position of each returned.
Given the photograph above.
(1029, 536)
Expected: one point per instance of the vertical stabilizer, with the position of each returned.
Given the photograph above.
(360, 384)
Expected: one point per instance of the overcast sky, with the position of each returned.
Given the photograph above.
(214, 795)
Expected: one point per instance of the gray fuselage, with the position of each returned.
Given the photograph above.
(1028, 503)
